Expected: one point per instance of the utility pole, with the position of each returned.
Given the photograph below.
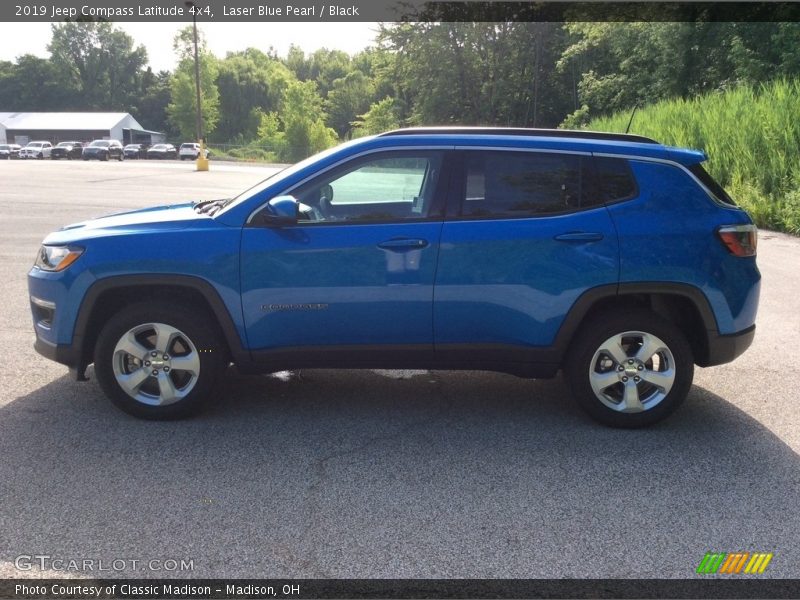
(202, 161)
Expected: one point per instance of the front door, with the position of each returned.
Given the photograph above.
(353, 279)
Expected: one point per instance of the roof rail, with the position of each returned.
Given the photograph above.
(521, 131)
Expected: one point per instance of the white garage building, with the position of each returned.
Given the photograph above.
(23, 127)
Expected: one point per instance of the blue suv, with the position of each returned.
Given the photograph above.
(612, 258)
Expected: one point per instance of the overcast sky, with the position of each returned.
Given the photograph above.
(32, 38)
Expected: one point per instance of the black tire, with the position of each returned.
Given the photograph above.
(192, 324)
(585, 357)
(104, 157)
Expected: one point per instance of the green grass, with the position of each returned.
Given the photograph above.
(752, 137)
(250, 153)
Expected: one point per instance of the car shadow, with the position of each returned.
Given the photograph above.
(370, 474)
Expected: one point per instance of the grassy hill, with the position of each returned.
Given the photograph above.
(752, 137)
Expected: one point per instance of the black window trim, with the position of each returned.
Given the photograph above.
(457, 192)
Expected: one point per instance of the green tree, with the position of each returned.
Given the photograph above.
(296, 62)
(151, 107)
(380, 117)
(35, 84)
(250, 83)
(623, 64)
(182, 108)
(350, 96)
(326, 66)
(304, 122)
(473, 73)
(100, 61)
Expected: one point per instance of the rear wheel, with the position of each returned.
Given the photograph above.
(630, 369)
(159, 360)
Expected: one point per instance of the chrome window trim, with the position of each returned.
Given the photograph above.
(289, 190)
(523, 149)
(637, 157)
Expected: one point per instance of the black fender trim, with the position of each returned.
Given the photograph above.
(203, 287)
(591, 297)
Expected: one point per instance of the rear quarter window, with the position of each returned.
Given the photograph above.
(717, 191)
(612, 181)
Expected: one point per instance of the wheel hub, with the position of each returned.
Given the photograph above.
(158, 363)
(631, 368)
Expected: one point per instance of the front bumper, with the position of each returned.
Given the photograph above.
(68, 355)
(725, 348)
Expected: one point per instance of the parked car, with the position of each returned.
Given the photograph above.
(8, 151)
(162, 151)
(36, 150)
(515, 250)
(103, 150)
(135, 150)
(191, 150)
(67, 150)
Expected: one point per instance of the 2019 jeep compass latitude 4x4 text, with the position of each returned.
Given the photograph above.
(611, 257)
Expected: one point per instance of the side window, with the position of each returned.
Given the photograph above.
(389, 186)
(613, 181)
(521, 184)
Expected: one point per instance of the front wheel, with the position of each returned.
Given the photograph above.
(159, 360)
(631, 369)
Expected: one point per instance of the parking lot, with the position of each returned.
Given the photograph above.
(381, 474)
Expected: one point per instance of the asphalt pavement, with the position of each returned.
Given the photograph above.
(379, 474)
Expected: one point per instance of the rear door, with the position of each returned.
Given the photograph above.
(526, 235)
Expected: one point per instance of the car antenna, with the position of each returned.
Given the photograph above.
(633, 112)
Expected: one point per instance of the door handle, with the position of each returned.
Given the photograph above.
(579, 236)
(403, 244)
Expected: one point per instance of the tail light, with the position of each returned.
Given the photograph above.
(740, 240)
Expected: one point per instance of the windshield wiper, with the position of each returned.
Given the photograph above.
(210, 207)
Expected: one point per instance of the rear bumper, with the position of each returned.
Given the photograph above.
(725, 348)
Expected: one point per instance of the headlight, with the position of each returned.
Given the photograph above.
(56, 258)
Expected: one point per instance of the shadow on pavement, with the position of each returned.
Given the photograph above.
(355, 474)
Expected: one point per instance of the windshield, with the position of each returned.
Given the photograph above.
(64, 144)
(99, 144)
(288, 172)
(35, 145)
(4, 147)
(187, 146)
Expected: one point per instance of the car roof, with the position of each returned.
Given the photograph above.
(521, 131)
(595, 142)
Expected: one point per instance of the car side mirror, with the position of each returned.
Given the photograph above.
(282, 210)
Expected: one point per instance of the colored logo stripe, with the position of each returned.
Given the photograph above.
(733, 563)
